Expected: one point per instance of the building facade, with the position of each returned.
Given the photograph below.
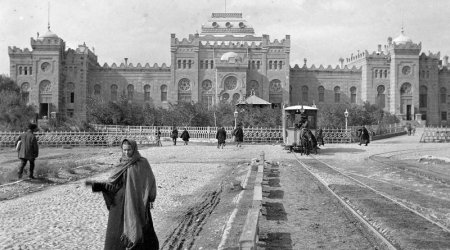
(226, 62)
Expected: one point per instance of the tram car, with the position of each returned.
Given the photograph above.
(298, 136)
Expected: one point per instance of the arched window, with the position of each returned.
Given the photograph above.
(275, 64)
(212, 64)
(270, 64)
(97, 89)
(337, 94)
(189, 64)
(25, 69)
(258, 64)
(163, 93)
(114, 92)
(25, 91)
(321, 91)
(385, 73)
(381, 98)
(201, 64)
(207, 94)
(253, 88)
(179, 64)
(31, 70)
(376, 73)
(236, 97)
(146, 92)
(443, 95)
(353, 94)
(70, 93)
(305, 94)
(275, 92)
(20, 70)
(423, 96)
(280, 64)
(184, 90)
(130, 92)
(206, 64)
(230, 83)
(253, 65)
(184, 64)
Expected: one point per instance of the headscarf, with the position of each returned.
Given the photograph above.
(140, 190)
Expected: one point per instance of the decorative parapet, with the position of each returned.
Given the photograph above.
(430, 55)
(138, 67)
(18, 51)
(46, 41)
(321, 68)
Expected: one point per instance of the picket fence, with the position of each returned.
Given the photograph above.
(112, 135)
(435, 134)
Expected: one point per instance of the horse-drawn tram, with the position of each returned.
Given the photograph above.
(299, 124)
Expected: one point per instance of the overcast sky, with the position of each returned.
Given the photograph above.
(321, 30)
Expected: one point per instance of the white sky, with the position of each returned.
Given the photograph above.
(321, 30)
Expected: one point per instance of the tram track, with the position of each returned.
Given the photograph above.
(393, 223)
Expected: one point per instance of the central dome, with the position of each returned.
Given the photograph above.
(228, 55)
(49, 34)
(402, 39)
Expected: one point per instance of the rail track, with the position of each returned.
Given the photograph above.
(396, 223)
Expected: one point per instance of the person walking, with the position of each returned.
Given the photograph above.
(185, 136)
(28, 150)
(238, 134)
(364, 137)
(319, 137)
(174, 135)
(129, 195)
(158, 138)
(221, 137)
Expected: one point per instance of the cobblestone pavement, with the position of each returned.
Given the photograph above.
(70, 216)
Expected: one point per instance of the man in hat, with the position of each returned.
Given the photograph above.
(238, 135)
(28, 150)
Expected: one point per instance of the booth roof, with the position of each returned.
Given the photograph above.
(305, 107)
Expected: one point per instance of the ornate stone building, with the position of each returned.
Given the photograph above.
(227, 61)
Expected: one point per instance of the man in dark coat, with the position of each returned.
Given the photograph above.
(221, 136)
(28, 150)
(238, 135)
(319, 137)
(174, 135)
(185, 136)
(364, 137)
(129, 195)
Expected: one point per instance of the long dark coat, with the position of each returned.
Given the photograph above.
(239, 134)
(221, 136)
(29, 148)
(364, 137)
(185, 135)
(174, 134)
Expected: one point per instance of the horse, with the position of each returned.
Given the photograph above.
(308, 142)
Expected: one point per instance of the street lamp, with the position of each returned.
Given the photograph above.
(346, 116)
(235, 118)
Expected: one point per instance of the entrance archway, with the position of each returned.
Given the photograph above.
(406, 101)
(45, 98)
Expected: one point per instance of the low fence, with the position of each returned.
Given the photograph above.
(433, 134)
(112, 135)
(96, 138)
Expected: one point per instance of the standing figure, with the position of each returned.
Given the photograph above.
(174, 135)
(28, 150)
(364, 137)
(221, 136)
(238, 135)
(319, 137)
(185, 136)
(129, 195)
(158, 138)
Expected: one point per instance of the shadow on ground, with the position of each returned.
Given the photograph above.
(332, 151)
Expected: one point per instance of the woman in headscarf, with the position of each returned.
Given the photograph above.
(129, 195)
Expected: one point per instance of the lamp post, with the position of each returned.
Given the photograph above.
(235, 118)
(346, 116)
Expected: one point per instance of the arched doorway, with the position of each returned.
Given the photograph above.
(406, 100)
(45, 98)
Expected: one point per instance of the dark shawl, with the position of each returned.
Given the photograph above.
(364, 136)
(239, 134)
(128, 194)
(221, 135)
(29, 148)
(185, 135)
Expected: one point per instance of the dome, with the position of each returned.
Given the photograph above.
(49, 34)
(228, 55)
(402, 39)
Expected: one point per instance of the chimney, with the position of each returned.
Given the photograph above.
(445, 61)
(126, 62)
(341, 60)
(304, 60)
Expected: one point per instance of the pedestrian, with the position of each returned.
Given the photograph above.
(221, 137)
(174, 135)
(185, 136)
(319, 137)
(28, 150)
(158, 138)
(129, 195)
(364, 137)
(238, 134)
